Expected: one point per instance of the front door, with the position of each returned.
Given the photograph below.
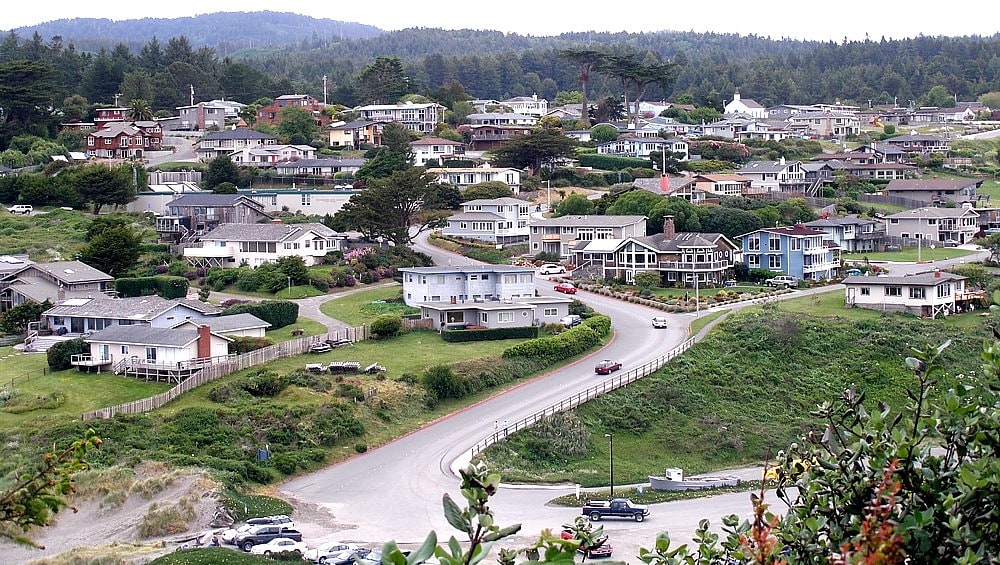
(76, 325)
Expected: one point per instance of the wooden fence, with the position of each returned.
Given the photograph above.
(591, 393)
(296, 346)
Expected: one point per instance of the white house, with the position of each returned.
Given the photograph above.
(421, 118)
(774, 176)
(79, 316)
(233, 325)
(434, 149)
(745, 106)
(207, 115)
(641, 147)
(498, 220)
(928, 295)
(935, 224)
(464, 177)
(225, 142)
(502, 119)
(327, 167)
(530, 105)
(235, 245)
(271, 155)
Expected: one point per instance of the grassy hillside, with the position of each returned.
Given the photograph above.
(745, 391)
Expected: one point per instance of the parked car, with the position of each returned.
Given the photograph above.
(20, 209)
(278, 545)
(571, 320)
(602, 549)
(607, 366)
(852, 273)
(950, 243)
(275, 520)
(786, 281)
(229, 535)
(326, 550)
(551, 269)
(660, 322)
(616, 507)
(566, 287)
(345, 557)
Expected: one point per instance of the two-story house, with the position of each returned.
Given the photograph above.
(421, 118)
(953, 225)
(851, 233)
(825, 124)
(252, 245)
(496, 220)
(491, 296)
(721, 184)
(774, 176)
(502, 119)
(326, 167)
(791, 250)
(935, 191)
(23, 280)
(927, 295)
(124, 140)
(464, 177)
(920, 144)
(642, 147)
(681, 259)
(560, 236)
(356, 134)
(207, 115)
(434, 149)
(271, 114)
(528, 105)
(225, 142)
(103, 116)
(746, 106)
(191, 215)
(271, 155)
(483, 137)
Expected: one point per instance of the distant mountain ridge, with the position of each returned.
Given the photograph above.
(224, 31)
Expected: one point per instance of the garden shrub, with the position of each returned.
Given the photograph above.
(278, 313)
(442, 382)
(387, 325)
(455, 336)
(60, 354)
(246, 344)
(264, 384)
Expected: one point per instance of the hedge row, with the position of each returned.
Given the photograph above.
(455, 336)
(564, 345)
(613, 163)
(278, 313)
(163, 285)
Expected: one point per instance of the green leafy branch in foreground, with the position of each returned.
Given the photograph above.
(41, 493)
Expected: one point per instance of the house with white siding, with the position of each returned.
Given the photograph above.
(495, 220)
(237, 245)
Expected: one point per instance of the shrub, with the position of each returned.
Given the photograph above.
(246, 344)
(168, 287)
(278, 313)
(387, 325)
(264, 384)
(60, 354)
(442, 382)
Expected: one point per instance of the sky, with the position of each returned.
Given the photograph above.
(777, 19)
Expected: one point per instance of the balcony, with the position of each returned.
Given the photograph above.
(214, 252)
(87, 360)
(550, 237)
(706, 266)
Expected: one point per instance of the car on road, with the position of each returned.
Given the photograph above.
(566, 287)
(278, 545)
(607, 366)
(551, 269)
(786, 281)
(20, 209)
(660, 322)
(571, 320)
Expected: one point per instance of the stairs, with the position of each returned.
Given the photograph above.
(41, 344)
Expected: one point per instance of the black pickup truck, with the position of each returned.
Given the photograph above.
(615, 508)
(263, 534)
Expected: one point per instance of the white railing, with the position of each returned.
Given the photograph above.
(579, 398)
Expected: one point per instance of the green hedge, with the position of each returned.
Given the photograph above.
(613, 162)
(455, 336)
(566, 344)
(278, 313)
(163, 285)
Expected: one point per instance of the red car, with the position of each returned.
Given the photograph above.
(607, 367)
(566, 287)
(603, 548)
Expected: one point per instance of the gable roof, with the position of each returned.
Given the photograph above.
(845, 221)
(591, 220)
(932, 184)
(765, 166)
(139, 308)
(238, 133)
(148, 335)
(227, 324)
(267, 232)
(922, 279)
(435, 141)
(798, 230)
(73, 271)
(213, 200)
(934, 212)
(682, 240)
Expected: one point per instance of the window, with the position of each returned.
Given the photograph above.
(918, 292)
(151, 354)
(774, 262)
(505, 317)
(484, 317)
(455, 317)
(944, 290)
(753, 261)
(774, 242)
(795, 244)
(753, 243)
(550, 312)
(894, 291)
(124, 350)
(866, 291)
(306, 199)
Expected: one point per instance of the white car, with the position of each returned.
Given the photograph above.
(277, 545)
(20, 209)
(229, 535)
(551, 269)
(660, 322)
(325, 550)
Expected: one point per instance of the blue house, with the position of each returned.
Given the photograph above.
(792, 250)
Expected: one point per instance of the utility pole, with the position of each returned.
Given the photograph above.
(192, 94)
(324, 90)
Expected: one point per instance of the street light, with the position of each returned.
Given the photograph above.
(289, 286)
(548, 191)
(611, 461)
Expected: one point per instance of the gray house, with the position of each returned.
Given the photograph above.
(851, 233)
(563, 234)
(496, 220)
(85, 315)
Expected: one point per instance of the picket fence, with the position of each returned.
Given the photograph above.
(297, 346)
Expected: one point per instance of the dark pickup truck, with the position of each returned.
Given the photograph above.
(615, 508)
(263, 534)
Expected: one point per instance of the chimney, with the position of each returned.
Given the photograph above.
(61, 293)
(668, 228)
(664, 183)
(204, 342)
(937, 274)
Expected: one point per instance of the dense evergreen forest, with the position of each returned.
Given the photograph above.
(489, 64)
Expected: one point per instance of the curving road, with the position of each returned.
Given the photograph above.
(394, 492)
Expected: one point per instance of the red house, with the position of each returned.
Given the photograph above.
(271, 114)
(125, 140)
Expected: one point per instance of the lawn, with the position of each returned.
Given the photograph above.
(53, 236)
(359, 308)
(909, 254)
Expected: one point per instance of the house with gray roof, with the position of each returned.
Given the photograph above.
(559, 236)
(79, 316)
(502, 119)
(642, 147)
(236, 245)
(935, 191)
(680, 258)
(927, 295)
(935, 225)
(326, 167)
(824, 123)
(746, 106)
(23, 280)
(233, 325)
(920, 144)
(227, 141)
(495, 220)
(774, 176)
(193, 214)
(851, 233)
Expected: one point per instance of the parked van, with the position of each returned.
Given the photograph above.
(20, 209)
(571, 320)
